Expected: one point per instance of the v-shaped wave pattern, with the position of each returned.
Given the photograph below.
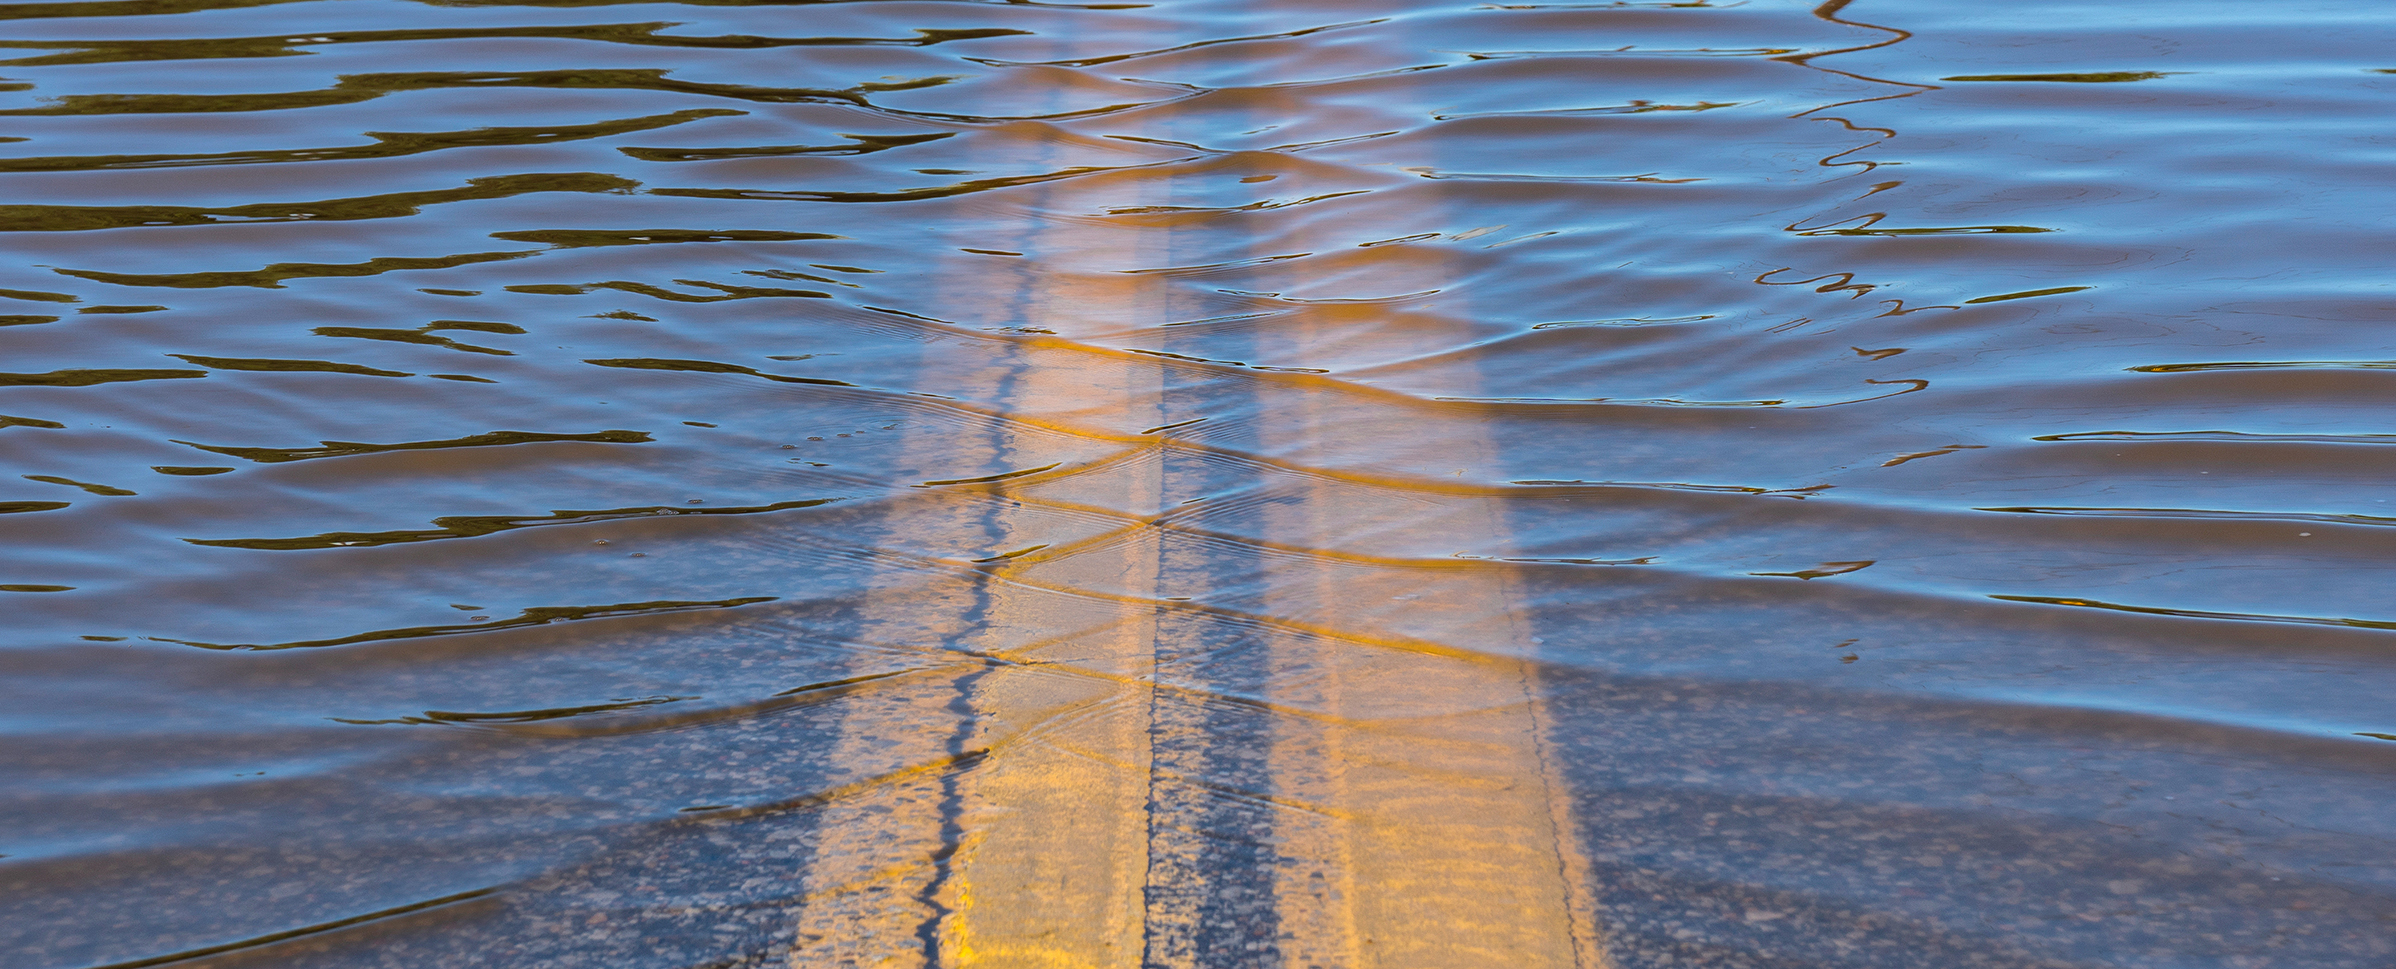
(1196, 484)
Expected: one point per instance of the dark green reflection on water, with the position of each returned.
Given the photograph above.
(387, 145)
(335, 449)
(475, 526)
(67, 218)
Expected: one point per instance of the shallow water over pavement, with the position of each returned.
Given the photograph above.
(1202, 483)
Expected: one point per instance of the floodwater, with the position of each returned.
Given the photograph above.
(1198, 483)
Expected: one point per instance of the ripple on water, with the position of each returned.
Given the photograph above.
(1208, 484)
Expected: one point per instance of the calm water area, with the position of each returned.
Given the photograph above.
(1194, 484)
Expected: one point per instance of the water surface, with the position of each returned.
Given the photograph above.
(1197, 483)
